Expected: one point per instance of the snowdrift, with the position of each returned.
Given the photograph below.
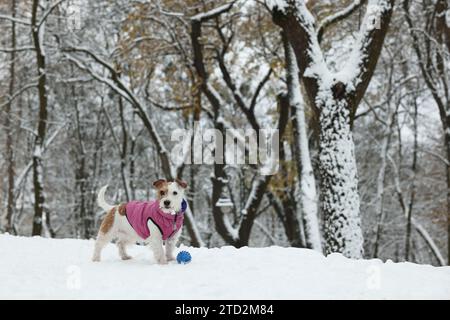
(42, 268)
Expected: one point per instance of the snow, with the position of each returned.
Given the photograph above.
(37, 151)
(279, 4)
(40, 268)
(351, 72)
(224, 202)
(41, 36)
(233, 232)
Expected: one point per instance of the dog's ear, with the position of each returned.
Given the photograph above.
(159, 183)
(181, 183)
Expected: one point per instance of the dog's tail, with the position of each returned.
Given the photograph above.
(101, 199)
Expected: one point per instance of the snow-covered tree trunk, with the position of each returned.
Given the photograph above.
(308, 195)
(339, 181)
(37, 31)
(335, 97)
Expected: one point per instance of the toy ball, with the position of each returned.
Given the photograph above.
(184, 257)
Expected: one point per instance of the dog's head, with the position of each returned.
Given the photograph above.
(170, 194)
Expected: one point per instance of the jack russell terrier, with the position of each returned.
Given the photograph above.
(157, 222)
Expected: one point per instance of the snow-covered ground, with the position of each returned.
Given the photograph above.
(47, 268)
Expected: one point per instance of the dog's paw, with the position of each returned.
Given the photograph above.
(95, 259)
(126, 257)
(162, 261)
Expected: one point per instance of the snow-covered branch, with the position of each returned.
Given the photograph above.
(358, 71)
(18, 93)
(82, 66)
(429, 241)
(298, 23)
(338, 16)
(19, 49)
(201, 17)
(12, 19)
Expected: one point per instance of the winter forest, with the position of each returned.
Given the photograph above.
(91, 92)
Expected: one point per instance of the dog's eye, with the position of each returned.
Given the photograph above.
(162, 193)
(175, 193)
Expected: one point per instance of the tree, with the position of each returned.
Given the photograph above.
(431, 43)
(335, 98)
(307, 185)
(8, 125)
(37, 32)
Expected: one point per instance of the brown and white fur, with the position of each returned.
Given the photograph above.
(116, 226)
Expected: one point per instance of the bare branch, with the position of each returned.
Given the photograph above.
(162, 107)
(259, 88)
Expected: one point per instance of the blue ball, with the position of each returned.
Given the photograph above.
(184, 257)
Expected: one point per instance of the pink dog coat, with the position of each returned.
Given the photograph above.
(139, 212)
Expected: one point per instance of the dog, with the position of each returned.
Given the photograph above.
(158, 223)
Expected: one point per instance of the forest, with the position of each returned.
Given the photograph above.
(92, 92)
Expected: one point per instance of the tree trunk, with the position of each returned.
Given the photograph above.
(292, 224)
(379, 210)
(287, 214)
(339, 181)
(447, 143)
(258, 190)
(308, 196)
(132, 169)
(38, 174)
(123, 152)
(9, 132)
(413, 186)
(84, 225)
(335, 99)
(219, 180)
(443, 37)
